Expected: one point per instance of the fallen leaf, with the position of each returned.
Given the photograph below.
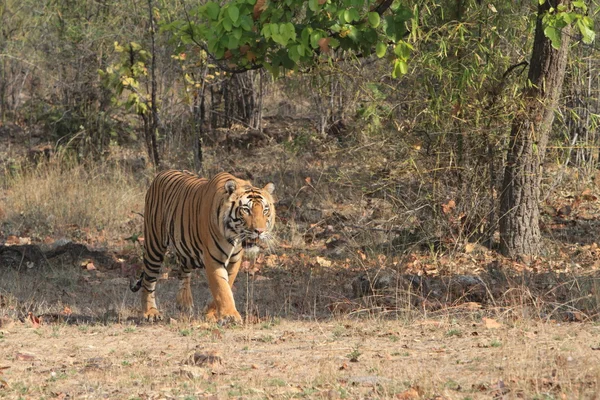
(471, 305)
(448, 207)
(211, 358)
(35, 321)
(412, 393)
(323, 262)
(588, 195)
(491, 323)
(24, 357)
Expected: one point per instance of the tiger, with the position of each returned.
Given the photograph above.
(210, 224)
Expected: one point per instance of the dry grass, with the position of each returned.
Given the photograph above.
(88, 200)
(289, 359)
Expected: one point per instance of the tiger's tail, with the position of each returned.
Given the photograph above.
(136, 285)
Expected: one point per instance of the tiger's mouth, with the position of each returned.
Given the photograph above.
(250, 243)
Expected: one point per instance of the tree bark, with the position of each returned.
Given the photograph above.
(520, 234)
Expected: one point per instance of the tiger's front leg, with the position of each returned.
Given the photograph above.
(149, 310)
(222, 308)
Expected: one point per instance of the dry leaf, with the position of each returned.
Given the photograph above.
(259, 7)
(35, 321)
(588, 195)
(471, 305)
(491, 323)
(324, 44)
(412, 393)
(211, 358)
(448, 207)
(24, 357)
(323, 262)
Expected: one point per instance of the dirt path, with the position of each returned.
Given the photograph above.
(283, 359)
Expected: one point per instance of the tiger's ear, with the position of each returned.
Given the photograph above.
(269, 187)
(230, 186)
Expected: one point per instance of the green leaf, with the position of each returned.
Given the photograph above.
(347, 16)
(290, 31)
(396, 71)
(274, 29)
(246, 23)
(588, 35)
(237, 33)
(212, 10)
(233, 12)
(294, 54)
(381, 49)
(227, 24)
(553, 34)
(374, 19)
(402, 50)
(313, 5)
(233, 42)
(403, 67)
(266, 31)
(400, 68)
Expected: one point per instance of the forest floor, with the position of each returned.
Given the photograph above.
(441, 358)
(372, 292)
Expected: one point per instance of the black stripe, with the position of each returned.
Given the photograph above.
(218, 245)
(216, 259)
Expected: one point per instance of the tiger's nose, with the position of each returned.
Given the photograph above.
(259, 230)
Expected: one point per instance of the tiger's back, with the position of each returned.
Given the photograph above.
(171, 201)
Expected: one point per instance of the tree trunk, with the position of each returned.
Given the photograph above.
(153, 123)
(519, 212)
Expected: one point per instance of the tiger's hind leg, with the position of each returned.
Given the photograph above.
(185, 300)
(148, 283)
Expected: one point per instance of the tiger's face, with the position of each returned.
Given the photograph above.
(252, 215)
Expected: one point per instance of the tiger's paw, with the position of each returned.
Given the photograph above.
(227, 320)
(224, 318)
(152, 315)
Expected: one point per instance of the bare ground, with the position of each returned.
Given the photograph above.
(337, 358)
(70, 332)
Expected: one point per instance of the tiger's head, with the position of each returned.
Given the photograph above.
(251, 217)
